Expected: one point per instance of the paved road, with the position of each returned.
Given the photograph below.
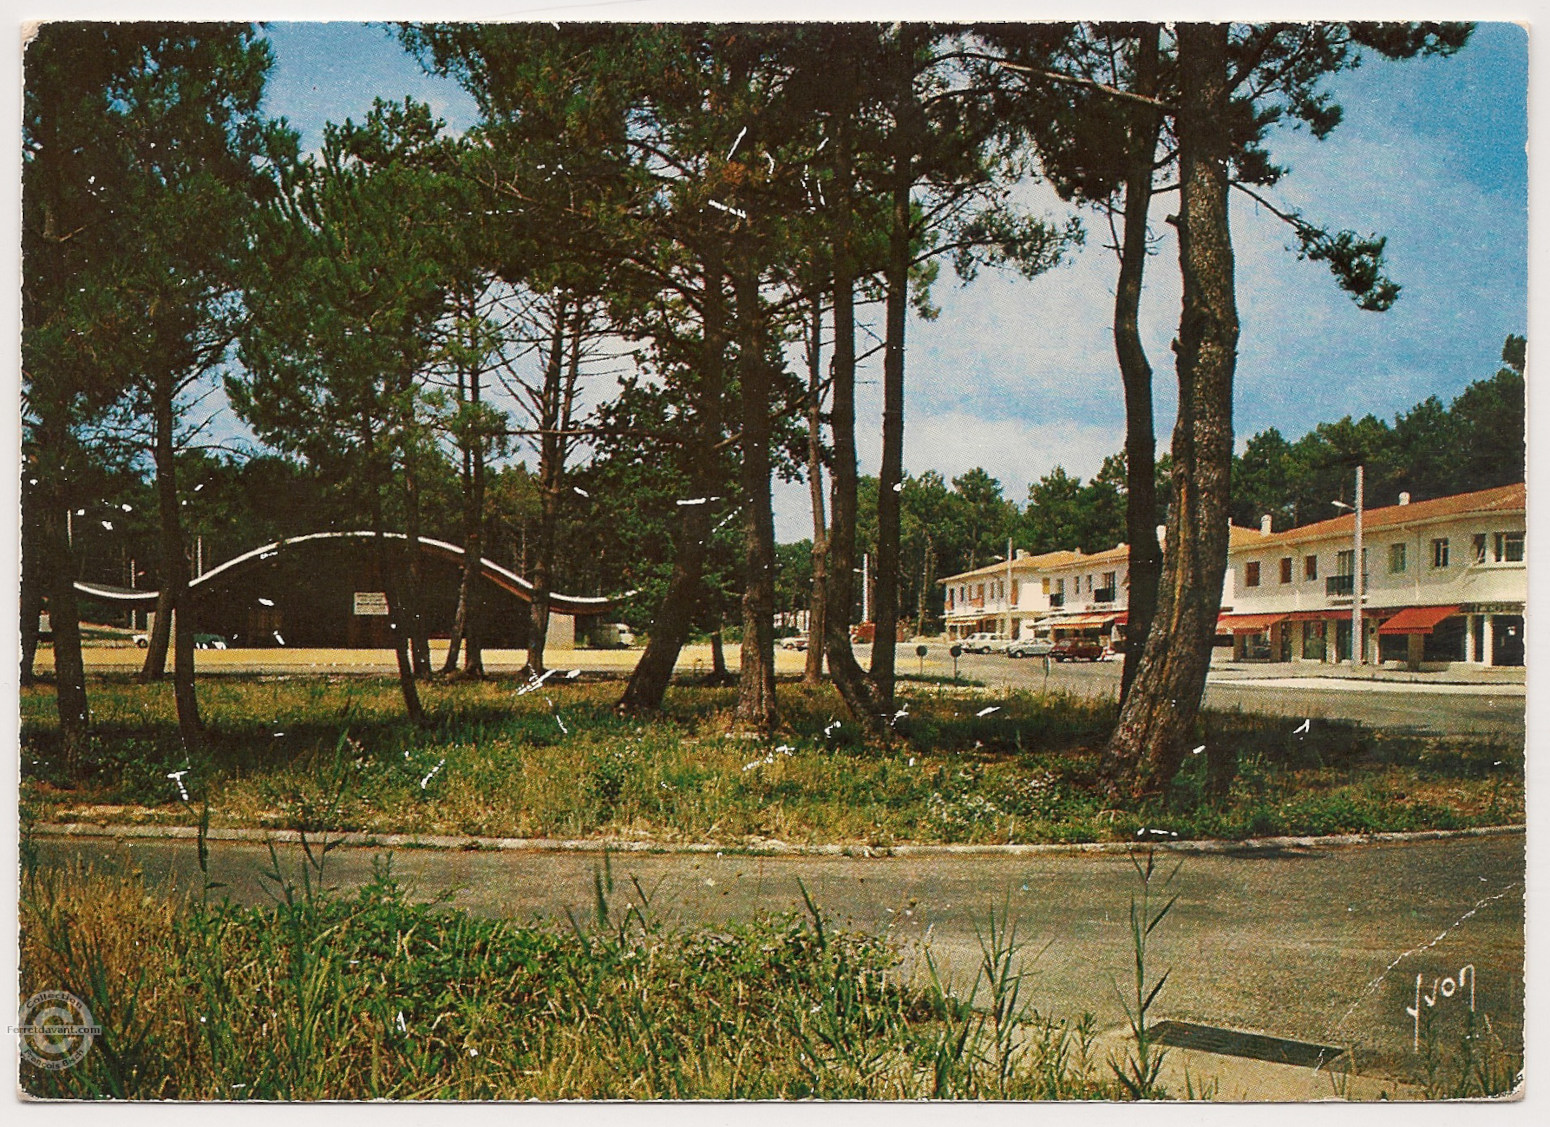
(1435, 709)
(1321, 944)
(1422, 708)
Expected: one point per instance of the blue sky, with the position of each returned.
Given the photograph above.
(1019, 376)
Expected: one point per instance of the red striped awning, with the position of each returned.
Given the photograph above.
(1247, 623)
(1417, 620)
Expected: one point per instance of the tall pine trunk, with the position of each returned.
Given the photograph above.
(174, 564)
(813, 673)
(468, 622)
(756, 706)
(159, 641)
(388, 565)
(890, 476)
(1157, 720)
(472, 601)
(65, 624)
(33, 576)
(927, 574)
(1145, 562)
(413, 585)
(673, 619)
(846, 672)
(551, 470)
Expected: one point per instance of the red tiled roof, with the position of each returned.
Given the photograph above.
(1502, 499)
(995, 570)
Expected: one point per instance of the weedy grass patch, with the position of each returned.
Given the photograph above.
(374, 996)
(960, 765)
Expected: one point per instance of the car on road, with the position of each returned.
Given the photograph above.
(1030, 647)
(985, 643)
(201, 641)
(795, 642)
(1077, 649)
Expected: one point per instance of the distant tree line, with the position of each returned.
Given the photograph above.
(1431, 450)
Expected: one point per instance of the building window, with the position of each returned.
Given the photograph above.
(1509, 547)
(1014, 591)
(1046, 584)
(1310, 567)
(1479, 547)
(1396, 558)
(1251, 574)
(1440, 552)
(1286, 569)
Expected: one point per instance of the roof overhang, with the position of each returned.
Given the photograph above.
(510, 581)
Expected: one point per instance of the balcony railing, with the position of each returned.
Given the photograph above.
(1343, 584)
(1103, 595)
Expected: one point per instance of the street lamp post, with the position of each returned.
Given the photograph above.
(1358, 584)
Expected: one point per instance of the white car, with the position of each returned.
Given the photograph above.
(1030, 647)
(985, 643)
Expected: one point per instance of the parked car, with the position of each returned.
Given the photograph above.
(1076, 649)
(795, 642)
(1030, 647)
(985, 643)
(201, 641)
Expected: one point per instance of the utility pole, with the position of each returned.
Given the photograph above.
(1358, 650)
(1008, 593)
(866, 602)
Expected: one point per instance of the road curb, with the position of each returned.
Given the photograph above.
(464, 842)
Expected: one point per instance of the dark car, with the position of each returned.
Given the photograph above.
(1075, 649)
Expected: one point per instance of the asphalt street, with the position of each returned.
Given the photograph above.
(1323, 945)
(1429, 708)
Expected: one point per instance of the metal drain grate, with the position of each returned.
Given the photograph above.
(1237, 1043)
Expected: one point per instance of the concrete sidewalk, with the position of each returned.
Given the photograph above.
(1459, 674)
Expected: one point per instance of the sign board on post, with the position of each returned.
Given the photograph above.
(371, 602)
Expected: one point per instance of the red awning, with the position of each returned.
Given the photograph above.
(1417, 620)
(1247, 623)
(1080, 621)
(1317, 615)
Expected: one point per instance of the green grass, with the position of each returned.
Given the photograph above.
(373, 996)
(559, 762)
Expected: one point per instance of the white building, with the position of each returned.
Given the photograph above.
(1444, 581)
(1057, 595)
(1003, 597)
